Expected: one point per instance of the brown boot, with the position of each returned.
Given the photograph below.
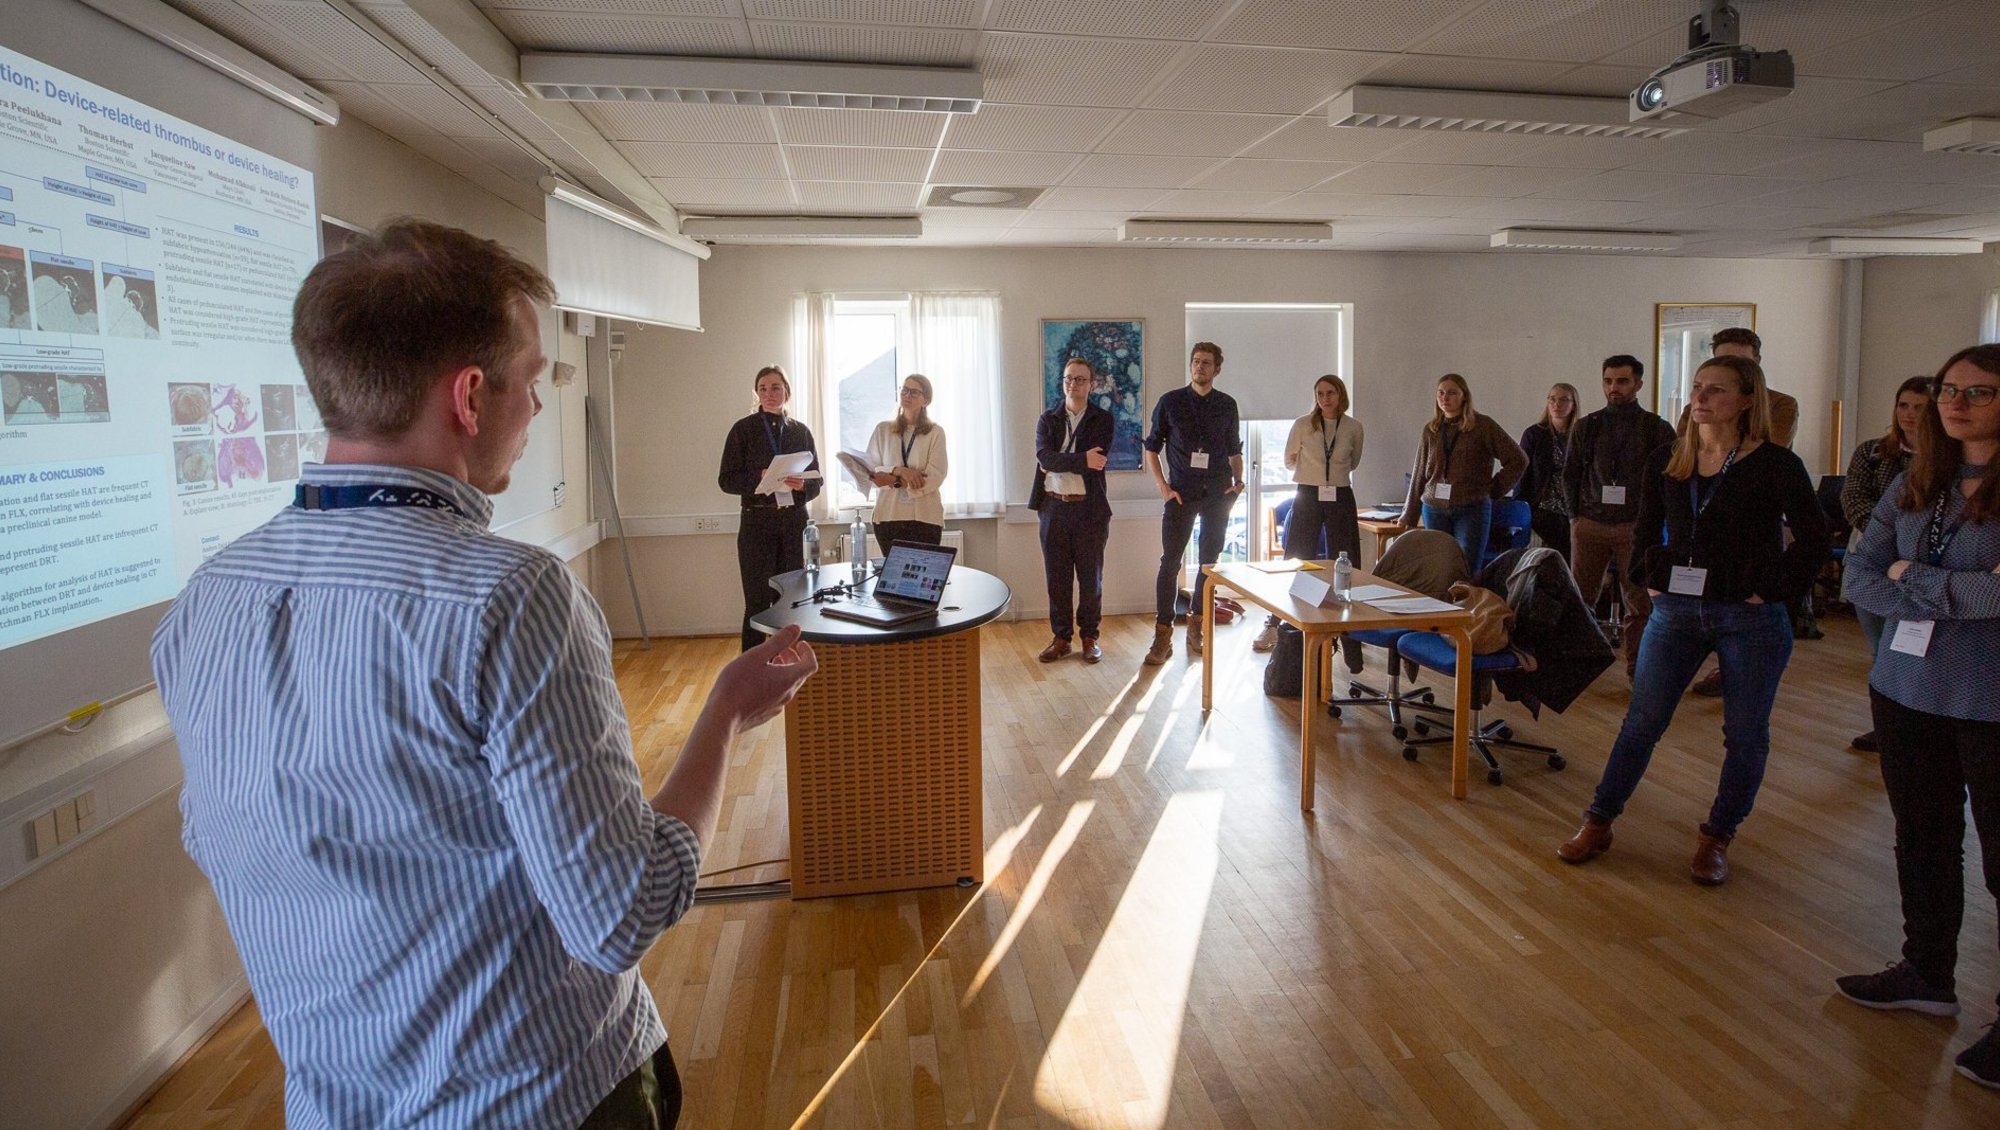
(1091, 652)
(1194, 637)
(1591, 840)
(1058, 647)
(1163, 645)
(1711, 858)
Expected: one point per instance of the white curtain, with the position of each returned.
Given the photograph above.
(957, 345)
(812, 328)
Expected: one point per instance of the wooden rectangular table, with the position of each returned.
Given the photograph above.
(1272, 592)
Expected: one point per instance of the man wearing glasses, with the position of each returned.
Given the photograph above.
(1195, 454)
(1068, 493)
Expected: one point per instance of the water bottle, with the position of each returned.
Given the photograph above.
(857, 547)
(812, 551)
(1343, 577)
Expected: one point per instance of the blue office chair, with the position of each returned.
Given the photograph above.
(1395, 698)
(1513, 523)
(1439, 653)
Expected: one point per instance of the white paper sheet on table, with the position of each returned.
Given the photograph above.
(1366, 593)
(1412, 605)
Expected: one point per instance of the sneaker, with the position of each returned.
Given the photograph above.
(1981, 1062)
(1266, 639)
(1900, 986)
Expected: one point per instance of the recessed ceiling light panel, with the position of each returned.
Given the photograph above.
(750, 82)
(1861, 246)
(1222, 231)
(1547, 239)
(1489, 111)
(1966, 135)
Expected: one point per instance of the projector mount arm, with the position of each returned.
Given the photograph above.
(1716, 25)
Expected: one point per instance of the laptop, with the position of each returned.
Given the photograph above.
(909, 587)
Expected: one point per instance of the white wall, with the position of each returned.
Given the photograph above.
(1512, 324)
(1915, 312)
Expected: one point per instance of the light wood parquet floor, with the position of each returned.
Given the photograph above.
(1165, 940)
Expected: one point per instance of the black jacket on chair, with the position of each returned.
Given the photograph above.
(1551, 623)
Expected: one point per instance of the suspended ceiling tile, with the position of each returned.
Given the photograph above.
(1590, 152)
(1622, 184)
(512, 112)
(983, 219)
(1723, 153)
(1311, 139)
(906, 13)
(717, 8)
(1099, 199)
(596, 32)
(1457, 73)
(1193, 202)
(863, 43)
(1190, 132)
(1071, 71)
(1052, 128)
(436, 109)
(1039, 218)
(822, 196)
(272, 44)
(1579, 31)
(1001, 167)
(1057, 236)
(1155, 19)
(507, 157)
(1367, 25)
(1900, 113)
(721, 162)
(1504, 182)
(1596, 81)
(855, 163)
(1138, 172)
(694, 193)
(1395, 179)
(1526, 210)
(1363, 204)
(891, 128)
(1285, 176)
(654, 121)
(361, 101)
(1269, 80)
(1860, 197)
(334, 36)
(416, 33)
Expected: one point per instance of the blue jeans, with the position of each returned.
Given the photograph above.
(1753, 642)
(1468, 525)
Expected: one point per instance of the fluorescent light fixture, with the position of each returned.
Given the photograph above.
(604, 209)
(1549, 239)
(1222, 231)
(165, 25)
(1489, 111)
(804, 227)
(750, 82)
(1890, 245)
(1966, 135)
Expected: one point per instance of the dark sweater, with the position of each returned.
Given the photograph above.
(1740, 539)
(1610, 448)
(747, 452)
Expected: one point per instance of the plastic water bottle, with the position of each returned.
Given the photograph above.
(857, 547)
(812, 551)
(1343, 577)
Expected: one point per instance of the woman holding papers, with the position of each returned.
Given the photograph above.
(1322, 450)
(1724, 492)
(909, 459)
(1927, 564)
(769, 540)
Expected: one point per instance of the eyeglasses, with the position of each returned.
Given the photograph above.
(1076, 380)
(912, 391)
(1976, 396)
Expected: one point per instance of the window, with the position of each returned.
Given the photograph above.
(853, 353)
(1989, 322)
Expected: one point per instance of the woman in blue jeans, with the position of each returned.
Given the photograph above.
(1724, 494)
(1453, 484)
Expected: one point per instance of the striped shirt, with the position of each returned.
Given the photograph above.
(409, 778)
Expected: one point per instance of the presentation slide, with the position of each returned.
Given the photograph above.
(150, 407)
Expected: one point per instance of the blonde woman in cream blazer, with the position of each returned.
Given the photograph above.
(908, 454)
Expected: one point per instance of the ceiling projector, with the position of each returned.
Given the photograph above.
(1718, 76)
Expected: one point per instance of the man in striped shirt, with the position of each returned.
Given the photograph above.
(409, 776)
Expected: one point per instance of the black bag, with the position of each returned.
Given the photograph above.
(1285, 674)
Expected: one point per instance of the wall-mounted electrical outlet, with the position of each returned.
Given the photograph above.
(708, 525)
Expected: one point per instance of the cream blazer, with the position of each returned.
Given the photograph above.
(1305, 453)
(927, 454)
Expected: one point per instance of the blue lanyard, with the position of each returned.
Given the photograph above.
(1936, 537)
(311, 496)
(1696, 501)
(908, 443)
(775, 435)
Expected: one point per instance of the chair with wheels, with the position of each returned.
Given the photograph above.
(1439, 653)
(1512, 524)
(1395, 697)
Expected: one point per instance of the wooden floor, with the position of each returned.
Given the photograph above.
(1167, 941)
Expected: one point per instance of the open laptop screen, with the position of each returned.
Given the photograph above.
(916, 573)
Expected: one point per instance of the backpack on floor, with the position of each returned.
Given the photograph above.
(1284, 675)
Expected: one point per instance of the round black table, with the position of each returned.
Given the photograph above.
(971, 598)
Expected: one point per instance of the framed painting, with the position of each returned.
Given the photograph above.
(1681, 331)
(1116, 349)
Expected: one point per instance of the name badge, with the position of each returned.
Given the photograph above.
(1329, 494)
(784, 498)
(1687, 580)
(1614, 496)
(1913, 637)
(1441, 491)
(1199, 460)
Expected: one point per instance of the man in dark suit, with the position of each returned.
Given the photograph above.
(1068, 493)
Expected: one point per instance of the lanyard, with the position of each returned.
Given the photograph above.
(909, 441)
(775, 435)
(1447, 440)
(311, 496)
(1936, 537)
(1698, 502)
(1069, 431)
(1327, 443)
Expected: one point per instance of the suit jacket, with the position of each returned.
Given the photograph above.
(1094, 430)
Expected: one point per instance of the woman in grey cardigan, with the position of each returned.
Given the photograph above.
(1454, 483)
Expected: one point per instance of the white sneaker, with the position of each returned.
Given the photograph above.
(1266, 639)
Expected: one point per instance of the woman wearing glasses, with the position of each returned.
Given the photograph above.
(1873, 466)
(909, 459)
(1929, 564)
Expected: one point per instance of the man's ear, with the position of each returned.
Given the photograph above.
(468, 388)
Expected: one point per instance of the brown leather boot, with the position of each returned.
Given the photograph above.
(1711, 858)
(1590, 841)
(1090, 651)
(1194, 637)
(1163, 645)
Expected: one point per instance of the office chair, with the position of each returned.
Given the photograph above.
(1513, 521)
(1440, 654)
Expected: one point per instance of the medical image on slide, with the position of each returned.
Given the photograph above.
(194, 465)
(281, 458)
(231, 410)
(239, 462)
(30, 398)
(307, 408)
(131, 306)
(65, 294)
(188, 406)
(13, 289)
(278, 414)
(312, 447)
(83, 399)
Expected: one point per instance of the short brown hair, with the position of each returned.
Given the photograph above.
(1208, 347)
(378, 322)
(1737, 335)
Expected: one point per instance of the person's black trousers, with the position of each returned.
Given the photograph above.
(889, 533)
(1553, 528)
(1176, 524)
(1073, 541)
(1930, 764)
(769, 541)
(1338, 518)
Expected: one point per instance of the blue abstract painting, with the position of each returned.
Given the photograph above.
(1116, 349)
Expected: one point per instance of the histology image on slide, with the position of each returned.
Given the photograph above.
(278, 414)
(13, 289)
(281, 458)
(312, 447)
(306, 407)
(231, 410)
(131, 305)
(194, 465)
(188, 407)
(65, 293)
(83, 399)
(30, 398)
(239, 462)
